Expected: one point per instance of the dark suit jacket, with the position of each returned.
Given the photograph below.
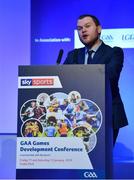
(113, 58)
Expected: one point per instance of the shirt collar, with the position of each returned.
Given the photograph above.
(94, 49)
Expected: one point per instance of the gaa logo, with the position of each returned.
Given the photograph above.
(89, 174)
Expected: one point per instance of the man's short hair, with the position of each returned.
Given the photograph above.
(95, 19)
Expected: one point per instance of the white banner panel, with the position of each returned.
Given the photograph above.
(123, 38)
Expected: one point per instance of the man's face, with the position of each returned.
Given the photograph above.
(88, 31)
(33, 104)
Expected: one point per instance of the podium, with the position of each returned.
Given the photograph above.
(64, 126)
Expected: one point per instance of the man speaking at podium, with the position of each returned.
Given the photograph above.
(96, 52)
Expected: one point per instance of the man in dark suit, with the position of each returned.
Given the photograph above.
(96, 52)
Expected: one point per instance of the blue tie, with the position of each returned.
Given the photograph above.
(89, 60)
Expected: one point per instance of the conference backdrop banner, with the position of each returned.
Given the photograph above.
(61, 122)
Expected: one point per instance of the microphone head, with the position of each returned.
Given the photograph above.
(59, 56)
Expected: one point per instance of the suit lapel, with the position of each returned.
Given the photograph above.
(97, 59)
(81, 56)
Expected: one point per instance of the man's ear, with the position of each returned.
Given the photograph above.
(99, 29)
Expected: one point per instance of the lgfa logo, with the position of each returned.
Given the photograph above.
(128, 37)
(89, 174)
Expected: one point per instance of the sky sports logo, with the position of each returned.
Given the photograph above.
(39, 82)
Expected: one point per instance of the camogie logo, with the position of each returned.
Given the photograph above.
(90, 174)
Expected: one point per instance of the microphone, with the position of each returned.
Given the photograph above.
(59, 57)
